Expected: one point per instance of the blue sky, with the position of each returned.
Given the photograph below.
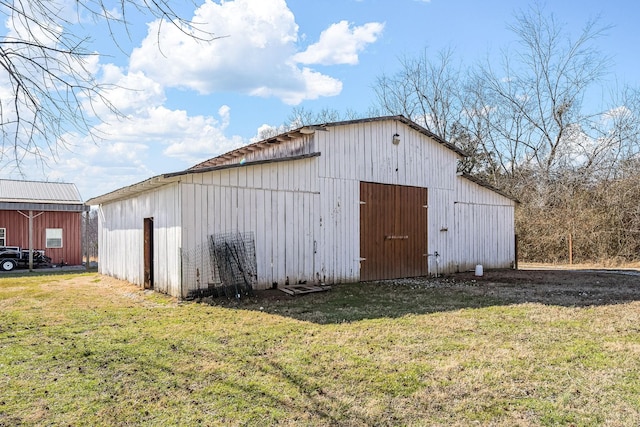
(194, 101)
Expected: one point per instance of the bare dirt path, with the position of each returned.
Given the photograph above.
(560, 285)
(578, 285)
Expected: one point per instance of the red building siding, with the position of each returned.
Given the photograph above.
(17, 233)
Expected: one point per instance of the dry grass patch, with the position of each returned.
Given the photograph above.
(91, 350)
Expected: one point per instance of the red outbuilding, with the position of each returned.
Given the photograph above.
(40, 221)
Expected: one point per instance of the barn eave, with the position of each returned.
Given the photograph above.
(45, 207)
(131, 190)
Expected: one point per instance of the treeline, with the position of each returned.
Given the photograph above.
(542, 123)
(570, 219)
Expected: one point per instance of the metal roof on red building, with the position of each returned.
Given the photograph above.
(16, 194)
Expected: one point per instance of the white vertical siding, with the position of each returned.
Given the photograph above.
(468, 224)
(121, 238)
(484, 227)
(277, 202)
(365, 152)
(339, 230)
(441, 231)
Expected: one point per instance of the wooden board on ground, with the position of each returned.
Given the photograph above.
(303, 289)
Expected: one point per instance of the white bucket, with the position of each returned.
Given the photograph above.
(479, 270)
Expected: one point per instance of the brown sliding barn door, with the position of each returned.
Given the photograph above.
(393, 231)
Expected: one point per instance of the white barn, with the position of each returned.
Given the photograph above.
(339, 202)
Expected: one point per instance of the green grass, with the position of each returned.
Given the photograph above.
(82, 349)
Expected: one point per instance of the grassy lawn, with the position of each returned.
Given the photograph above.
(83, 349)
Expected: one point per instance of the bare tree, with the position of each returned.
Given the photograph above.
(538, 91)
(90, 233)
(301, 116)
(614, 136)
(49, 87)
(425, 90)
(532, 129)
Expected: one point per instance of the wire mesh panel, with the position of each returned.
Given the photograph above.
(233, 261)
(223, 266)
(197, 272)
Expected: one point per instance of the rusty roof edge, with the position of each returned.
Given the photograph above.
(276, 139)
(241, 165)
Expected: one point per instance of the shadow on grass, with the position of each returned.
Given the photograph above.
(306, 395)
(397, 298)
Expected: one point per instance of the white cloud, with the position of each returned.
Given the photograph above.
(158, 141)
(173, 132)
(616, 113)
(340, 44)
(146, 139)
(257, 54)
(144, 122)
(315, 85)
(148, 142)
(258, 57)
(206, 139)
(129, 94)
(259, 38)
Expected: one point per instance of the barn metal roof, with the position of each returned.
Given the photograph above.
(38, 195)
